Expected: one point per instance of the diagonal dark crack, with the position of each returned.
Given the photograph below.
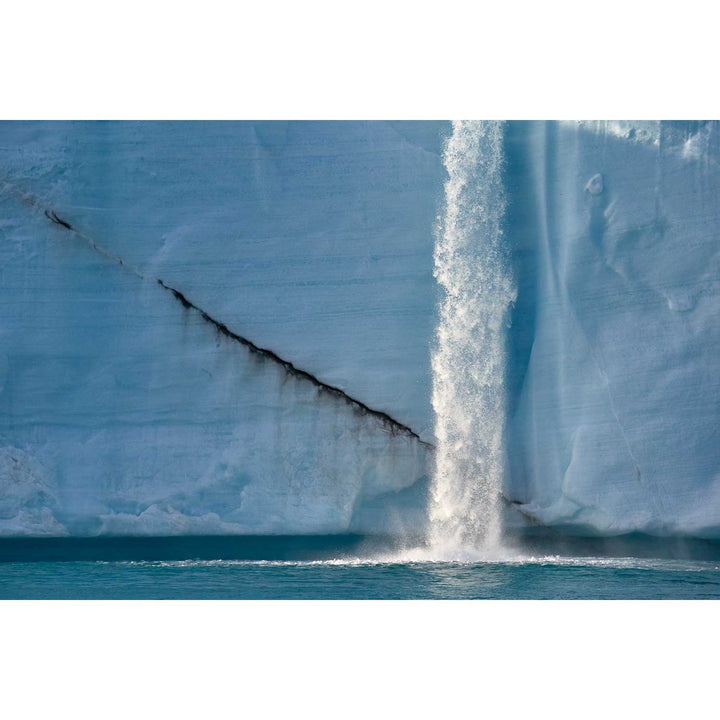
(50, 215)
(387, 420)
(390, 423)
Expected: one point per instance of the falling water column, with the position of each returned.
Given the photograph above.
(469, 359)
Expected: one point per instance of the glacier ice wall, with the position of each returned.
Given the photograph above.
(614, 411)
(123, 411)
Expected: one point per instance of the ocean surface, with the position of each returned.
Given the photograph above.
(535, 578)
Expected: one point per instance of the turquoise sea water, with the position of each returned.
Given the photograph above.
(548, 577)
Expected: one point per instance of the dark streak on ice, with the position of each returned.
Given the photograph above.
(387, 420)
(50, 215)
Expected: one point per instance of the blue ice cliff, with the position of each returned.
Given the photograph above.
(247, 328)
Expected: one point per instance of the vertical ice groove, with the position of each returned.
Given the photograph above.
(469, 358)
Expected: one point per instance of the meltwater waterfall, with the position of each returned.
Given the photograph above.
(469, 359)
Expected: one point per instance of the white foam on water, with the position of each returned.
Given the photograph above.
(469, 358)
(428, 560)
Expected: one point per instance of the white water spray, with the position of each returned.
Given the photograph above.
(468, 363)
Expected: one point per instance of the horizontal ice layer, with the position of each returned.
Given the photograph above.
(616, 373)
